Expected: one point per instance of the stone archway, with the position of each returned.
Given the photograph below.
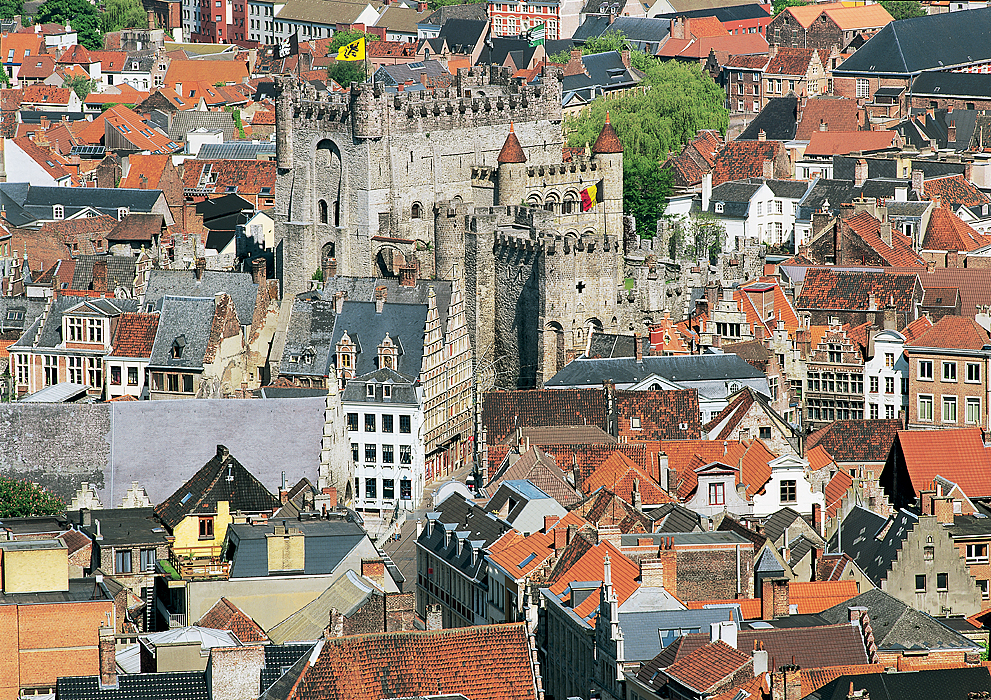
(328, 179)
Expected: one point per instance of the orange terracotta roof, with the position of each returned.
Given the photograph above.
(947, 231)
(836, 489)
(590, 567)
(789, 61)
(805, 15)
(818, 458)
(749, 607)
(512, 151)
(618, 474)
(507, 540)
(39, 67)
(608, 141)
(707, 669)
(961, 458)
(783, 310)
(45, 94)
(838, 143)
(815, 678)
(110, 61)
(135, 335)
(870, 16)
(916, 328)
(701, 46)
(522, 557)
(837, 114)
(743, 159)
(705, 26)
(45, 158)
(752, 62)
(248, 176)
(209, 72)
(488, 662)
(953, 333)
(20, 43)
(145, 171)
(813, 597)
(955, 190)
(224, 615)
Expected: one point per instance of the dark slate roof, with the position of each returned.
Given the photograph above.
(674, 517)
(924, 128)
(455, 514)
(735, 197)
(184, 321)
(80, 589)
(442, 15)
(791, 189)
(497, 48)
(223, 478)
(235, 150)
(778, 120)
(970, 526)
(280, 657)
(120, 271)
(18, 313)
(646, 633)
(860, 530)
(683, 368)
(909, 46)
(898, 626)
(463, 34)
(170, 685)
(836, 192)
(779, 520)
(605, 70)
(856, 440)
(325, 545)
(123, 526)
(363, 289)
(24, 203)
(51, 329)
(183, 283)
(401, 73)
(611, 345)
(943, 683)
(638, 30)
(178, 124)
(402, 391)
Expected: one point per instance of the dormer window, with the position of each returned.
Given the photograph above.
(95, 327)
(58, 212)
(719, 207)
(347, 356)
(74, 329)
(386, 391)
(370, 391)
(122, 212)
(178, 346)
(388, 354)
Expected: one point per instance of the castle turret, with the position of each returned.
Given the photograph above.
(512, 170)
(284, 122)
(607, 153)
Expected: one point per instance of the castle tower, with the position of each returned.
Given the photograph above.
(512, 171)
(607, 152)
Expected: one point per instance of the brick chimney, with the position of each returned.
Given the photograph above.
(787, 683)
(435, 618)
(638, 346)
(859, 172)
(108, 658)
(549, 522)
(407, 276)
(380, 294)
(374, 570)
(768, 169)
(651, 573)
(679, 27)
(774, 598)
(626, 57)
(259, 271)
(200, 268)
(331, 267)
(951, 132)
(151, 19)
(943, 509)
(100, 276)
(762, 135)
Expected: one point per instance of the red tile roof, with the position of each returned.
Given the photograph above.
(827, 289)
(818, 458)
(815, 596)
(130, 126)
(248, 176)
(503, 411)
(705, 26)
(961, 458)
(953, 333)
(224, 615)
(836, 113)
(955, 190)
(752, 62)
(916, 328)
(604, 508)
(608, 141)
(708, 668)
(45, 94)
(789, 61)
(489, 662)
(619, 474)
(805, 15)
(533, 550)
(701, 46)
(110, 61)
(135, 334)
(856, 440)
(831, 566)
(664, 415)
(836, 489)
(512, 151)
(45, 158)
(21, 43)
(145, 171)
(209, 72)
(838, 143)
(749, 607)
(39, 67)
(947, 231)
(590, 567)
(743, 159)
(871, 16)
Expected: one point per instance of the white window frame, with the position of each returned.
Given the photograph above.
(925, 370)
(947, 365)
(927, 399)
(971, 402)
(973, 366)
(948, 400)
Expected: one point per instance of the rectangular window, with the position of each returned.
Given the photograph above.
(634, 423)
(370, 391)
(388, 489)
(765, 432)
(949, 371)
(405, 489)
(874, 383)
(172, 382)
(148, 559)
(370, 453)
(353, 422)
(974, 411)
(717, 494)
(371, 488)
(863, 87)
(132, 376)
(122, 561)
(369, 422)
(925, 407)
(387, 423)
(977, 554)
(404, 424)
(942, 581)
(206, 528)
(926, 369)
(983, 587)
(789, 491)
(95, 330)
(75, 369)
(949, 409)
(889, 360)
(973, 372)
(94, 372)
(889, 385)
(354, 451)
(889, 412)
(75, 326)
(405, 454)
(874, 411)
(388, 454)
(920, 583)
(777, 206)
(187, 383)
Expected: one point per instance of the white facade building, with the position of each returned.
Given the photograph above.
(384, 419)
(789, 486)
(757, 209)
(886, 377)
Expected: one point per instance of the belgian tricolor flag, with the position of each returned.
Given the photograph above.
(590, 196)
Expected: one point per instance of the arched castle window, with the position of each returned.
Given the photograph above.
(322, 211)
(416, 211)
(533, 200)
(551, 202)
(570, 202)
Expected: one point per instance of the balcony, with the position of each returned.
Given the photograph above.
(199, 562)
(177, 620)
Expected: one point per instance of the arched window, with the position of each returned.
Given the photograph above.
(416, 212)
(568, 206)
(322, 207)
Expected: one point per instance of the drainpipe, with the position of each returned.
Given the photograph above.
(738, 571)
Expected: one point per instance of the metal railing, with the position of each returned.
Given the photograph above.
(177, 620)
(200, 562)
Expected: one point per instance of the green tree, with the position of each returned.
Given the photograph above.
(703, 236)
(779, 5)
(83, 17)
(434, 4)
(80, 85)
(123, 14)
(9, 8)
(903, 9)
(346, 72)
(20, 499)
(346, 37)
(608, 41)
(675, 102)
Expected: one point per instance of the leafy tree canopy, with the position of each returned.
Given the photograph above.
(346, 72)
(903, 9)
(83, 17)
(434, 4)
(346, 37)
(20, 499)
(123, 14)
(677, 100)
(608, 41)
(9, 8)
(779, 5)
(80, 85)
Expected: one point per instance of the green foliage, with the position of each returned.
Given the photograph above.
(903, 9)
(317, 276)
(80, 85)
(83, 17)
(123, 14)
(608, 41)
(20, 499)
(677, 100)
(9, 8)
(780, 5)
(434, 4)
(701, 236)
(346, 37)
(346, 72)
(104, 107)
(237, 122)
(559, 57)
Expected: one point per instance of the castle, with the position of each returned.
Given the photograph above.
(468, 180)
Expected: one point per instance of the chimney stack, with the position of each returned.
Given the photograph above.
(200, 268)
(638, 346)
(761, 135)
(108, 658)
(774, 598)
(259, 271)
(380, 296)
(374, 570)
(859, 172)
(651, 573)
(332, 267)
(768, 169)
(435, 618)
(100, 276)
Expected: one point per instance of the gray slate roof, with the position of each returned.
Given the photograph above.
(874, 556)
(235, 150)
(779, 520)
(325, 545)
(178, 124)
(684, 368)
(51, 325)
(123, 526)
(605, 70)
(183, 283)
(363, 289)
(168, 685)
(120, 271)
(186, 321)
(639, 31)
(646, 633)
(778, 120)
(460, 515)
(943, 683)
(402, 391)
(18, 313)
(735, 197)
(25, 204)
(441, 15)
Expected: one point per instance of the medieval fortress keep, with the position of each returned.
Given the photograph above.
(468, 180)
